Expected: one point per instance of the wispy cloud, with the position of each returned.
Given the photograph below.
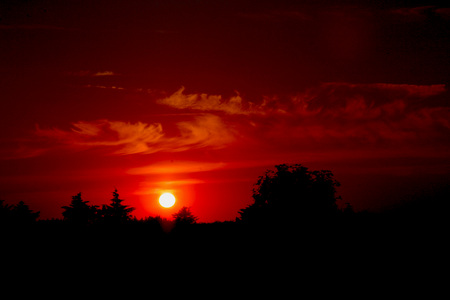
(104, 73)
(420, 13)
(351, 114)
(330, 115)
(177, 167)
(110, 87)
(205, 102)
(311, 101)
(335, 114)
(132, 138)
(86, 73)
(204, 131)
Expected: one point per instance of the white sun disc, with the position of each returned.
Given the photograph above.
(167, 200)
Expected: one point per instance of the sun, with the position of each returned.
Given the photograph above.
(167, 200)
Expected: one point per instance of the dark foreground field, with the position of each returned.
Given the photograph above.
(350, 257)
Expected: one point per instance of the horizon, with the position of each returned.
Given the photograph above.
(200, 99)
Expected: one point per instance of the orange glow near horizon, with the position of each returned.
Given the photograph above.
(149, 198)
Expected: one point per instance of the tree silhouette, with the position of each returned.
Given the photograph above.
(116, 212)
(22, 214)
(184, 216)
(19, 214)
(79, 212)
(292, 193)
(348, 210)
(5, 212)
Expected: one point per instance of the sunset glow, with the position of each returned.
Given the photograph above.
(198, 99)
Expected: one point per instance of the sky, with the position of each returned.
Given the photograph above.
(199, 98)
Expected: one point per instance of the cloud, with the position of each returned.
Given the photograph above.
(86, 73)
(333, 114)
(205, 131)
(158, 187)
(413, 11)
(104, 73)
(420, 13)
(188, 166)
(204, 102)
(112, 87)
(178, 167)
(310, 102)
(132, 138)
(329, 115)
(348, 115)
(359, 101)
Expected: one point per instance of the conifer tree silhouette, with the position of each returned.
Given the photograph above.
(79, 212)
(5, 212)
(116, 212)
(184, 216)
(22, 214)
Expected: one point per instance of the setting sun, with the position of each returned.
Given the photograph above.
(359, 88)
(167, 200)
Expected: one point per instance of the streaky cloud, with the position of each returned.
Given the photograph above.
(177, 167)
(141, 138)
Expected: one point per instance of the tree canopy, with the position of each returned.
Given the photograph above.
(292, 192)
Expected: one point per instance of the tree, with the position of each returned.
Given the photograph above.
(19, 214)
(5, 212)
(22, 214)
(116, 212)
(292, 193)
(79, 212)
(184, 216)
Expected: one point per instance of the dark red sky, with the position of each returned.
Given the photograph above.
(200, 97)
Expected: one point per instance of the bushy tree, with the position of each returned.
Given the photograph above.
(79, 212)
(116, 212)
(292, 193)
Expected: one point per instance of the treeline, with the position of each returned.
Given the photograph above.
(17, 214)
(79, 213)
(293, 224)
(289, 197)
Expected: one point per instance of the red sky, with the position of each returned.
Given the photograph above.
(201, 97)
